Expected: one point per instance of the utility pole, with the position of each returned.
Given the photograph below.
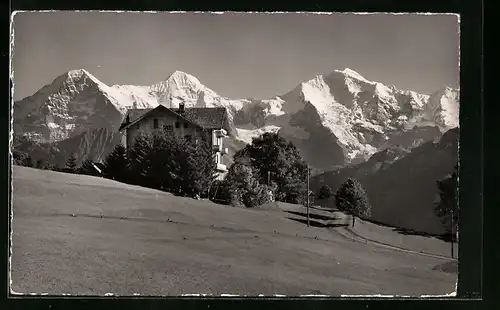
(268, 177)
(308, 196)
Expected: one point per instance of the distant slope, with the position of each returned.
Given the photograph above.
(94, 144)
(401, 184)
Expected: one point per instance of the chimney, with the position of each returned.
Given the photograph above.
(181, 107)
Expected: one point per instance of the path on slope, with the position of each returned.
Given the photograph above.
(366, 232)
(84, 235)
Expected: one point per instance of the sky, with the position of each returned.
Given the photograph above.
(237, 55)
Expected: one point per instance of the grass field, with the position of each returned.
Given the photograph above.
(84, 235)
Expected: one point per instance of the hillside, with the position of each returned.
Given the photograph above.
(94, 144)
(348, 116)
(85, 235)
(401, 183)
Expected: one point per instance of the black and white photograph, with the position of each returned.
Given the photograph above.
(234, 154)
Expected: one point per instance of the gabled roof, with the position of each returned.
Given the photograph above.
(207, 118)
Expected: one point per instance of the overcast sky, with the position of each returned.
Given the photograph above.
(237, 55)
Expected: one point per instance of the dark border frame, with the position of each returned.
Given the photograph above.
(471, 162)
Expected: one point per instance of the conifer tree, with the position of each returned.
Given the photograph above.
(87, 168)
(71, 163)
(139, 161)
(115, 164)
(199, 167)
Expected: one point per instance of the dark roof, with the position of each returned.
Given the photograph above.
(205, 117)
(208, 118)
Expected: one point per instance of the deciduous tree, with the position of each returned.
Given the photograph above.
(352, 199)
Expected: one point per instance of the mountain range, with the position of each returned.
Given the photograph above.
(348, 116)
(401, 183)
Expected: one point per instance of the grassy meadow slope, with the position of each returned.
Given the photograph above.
(85, 235)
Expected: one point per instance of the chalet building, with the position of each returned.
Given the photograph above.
(202, 124)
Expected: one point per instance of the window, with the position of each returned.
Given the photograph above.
(186, 125)
(155, 123)
(177, 125)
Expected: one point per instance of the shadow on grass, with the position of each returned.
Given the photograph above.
(314, 223)
(405, 231)
(442, 237)
(314, 216)
(325, 209)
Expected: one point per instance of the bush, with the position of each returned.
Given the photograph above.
(352, 199)
(220, 192)
(22, 159)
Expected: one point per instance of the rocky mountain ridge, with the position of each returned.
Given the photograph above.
(345, 115)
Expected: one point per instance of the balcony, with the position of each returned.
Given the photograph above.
(221, 168)
(217, 147)
(220, 133)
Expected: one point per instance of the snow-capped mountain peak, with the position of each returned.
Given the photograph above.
(179, 86)
(353, 74)
(349, 115)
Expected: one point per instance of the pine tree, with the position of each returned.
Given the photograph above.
(447, 208)
(71, 164)
(352, 199)
(115, 164)
(199, 168)
(139, 161)
(165, 156)
(87, 168)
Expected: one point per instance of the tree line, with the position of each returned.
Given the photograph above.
(268, 169)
